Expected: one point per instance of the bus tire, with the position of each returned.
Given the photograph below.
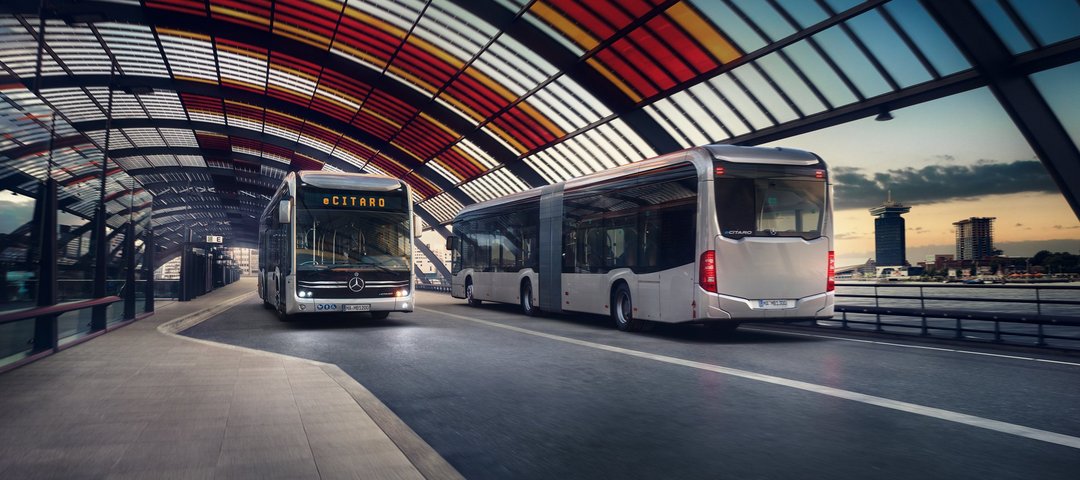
(527, 306)
(379, 315)
(469, 293)
(622, 310)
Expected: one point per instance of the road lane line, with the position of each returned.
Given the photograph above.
(965, 419)
(920, 347)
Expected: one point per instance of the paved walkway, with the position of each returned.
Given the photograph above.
(142, 402)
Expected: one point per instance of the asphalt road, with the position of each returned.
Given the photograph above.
(502, 395)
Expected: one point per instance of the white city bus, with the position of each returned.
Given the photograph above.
(717, 234)
(337, 242)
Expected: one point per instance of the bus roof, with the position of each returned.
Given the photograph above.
(771, 155)
(349, 181)
(730, 153)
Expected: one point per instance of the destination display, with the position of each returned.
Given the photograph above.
(392, 201)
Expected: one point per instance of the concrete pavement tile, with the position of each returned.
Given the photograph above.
(299, 469)
(148, 456)
(262, 455)
(205, 473)
(361, 467)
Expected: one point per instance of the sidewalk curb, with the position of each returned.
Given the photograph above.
(424, 458)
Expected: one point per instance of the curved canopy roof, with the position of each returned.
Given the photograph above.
(204, 105)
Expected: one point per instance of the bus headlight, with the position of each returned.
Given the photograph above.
(304, 294)
(401, 293)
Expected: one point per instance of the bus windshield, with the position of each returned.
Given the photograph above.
(333, 232)
(770, 202)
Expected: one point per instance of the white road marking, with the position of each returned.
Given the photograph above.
(921, 347)
(970, 420)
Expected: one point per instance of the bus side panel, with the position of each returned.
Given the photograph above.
(588, 293)
(676, 294)
(504, 286)
(647, 298)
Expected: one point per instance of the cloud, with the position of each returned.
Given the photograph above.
(938, 183)
(15, 214)
(944, 158)
(849, 236)
(1061, 227)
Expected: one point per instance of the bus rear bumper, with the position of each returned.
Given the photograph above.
(724, 307)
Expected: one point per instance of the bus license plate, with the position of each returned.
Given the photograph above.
(358, 308)
(772, 304)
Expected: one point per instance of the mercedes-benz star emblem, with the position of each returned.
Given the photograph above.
(356, 284)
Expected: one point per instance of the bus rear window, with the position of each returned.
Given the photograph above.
(770, 207)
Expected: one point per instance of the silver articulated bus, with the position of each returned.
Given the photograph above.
(337, 242)
(716, 234)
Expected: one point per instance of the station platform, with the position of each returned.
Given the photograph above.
(144, 402)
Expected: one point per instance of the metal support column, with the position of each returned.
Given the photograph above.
(45, 327)
(150, 265)
(129, 280)
(185, 268)
(101, 243)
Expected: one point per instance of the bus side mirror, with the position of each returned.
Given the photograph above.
(418, 226)
(284, 212)
(450, 242)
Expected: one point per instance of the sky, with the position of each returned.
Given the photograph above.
(949, 160)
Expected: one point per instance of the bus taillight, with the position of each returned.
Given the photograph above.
(830, 284)
(707, 272)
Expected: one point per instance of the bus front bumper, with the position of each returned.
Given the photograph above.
(350, 305)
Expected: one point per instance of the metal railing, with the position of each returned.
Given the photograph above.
(433, 288)
(1033, 315)
(46, 333)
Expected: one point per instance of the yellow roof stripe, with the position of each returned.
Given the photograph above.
(232, 12)
(564, 25)
(704, 32)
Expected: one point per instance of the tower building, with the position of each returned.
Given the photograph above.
(974, 238)
(889, 238)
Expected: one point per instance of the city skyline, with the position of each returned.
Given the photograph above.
(952, 159)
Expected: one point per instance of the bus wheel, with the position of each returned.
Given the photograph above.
(379, 315)
(526, 299)
(622, 310)
(469, 294)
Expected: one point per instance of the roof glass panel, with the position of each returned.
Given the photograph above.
(497, 183)
(766, 18)
(889, 48)
(143, 137)
(668, 114)
(804, 12)
(242, 68)
(77, 47)
(744, 37)
(741, 102)
(820, 73)
(764, 92)
(1058, 86)
(841, 5)
(788, 80)
(1005, 28)
(839, 46)
(928, 36)
(702, 116)
(1051, 21)
(442, 206)
(163, 104)
(135, 48)
(176, 137)
(20, 49)
(190, 55)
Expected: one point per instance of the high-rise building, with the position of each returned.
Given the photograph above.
(975, 238)
(889, 237)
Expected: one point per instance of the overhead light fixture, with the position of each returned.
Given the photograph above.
(884, 115)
